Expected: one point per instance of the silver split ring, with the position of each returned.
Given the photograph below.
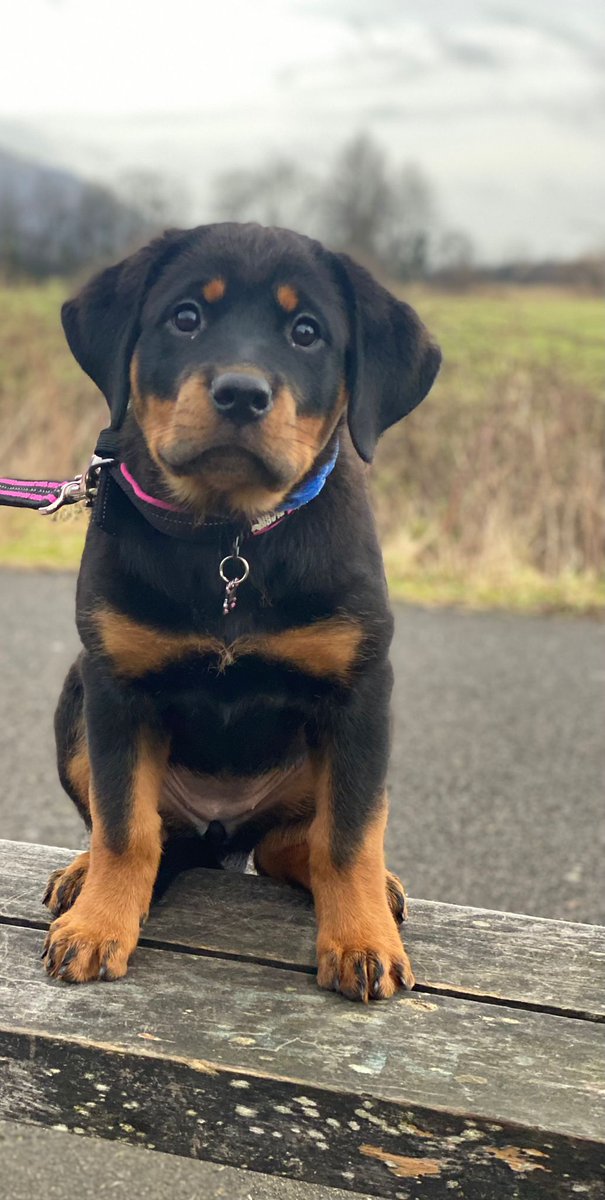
(234, 558)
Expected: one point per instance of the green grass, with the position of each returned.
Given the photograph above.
(491, 333)
(28, 539)
(489, 496)
(523, 590)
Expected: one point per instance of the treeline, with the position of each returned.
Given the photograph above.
(53, 223)
(586, 273)
(386, 215)
(381, 213)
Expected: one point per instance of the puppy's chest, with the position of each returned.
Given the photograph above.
(326, 649)
(235, 705)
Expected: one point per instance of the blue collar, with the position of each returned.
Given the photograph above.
(300, 496)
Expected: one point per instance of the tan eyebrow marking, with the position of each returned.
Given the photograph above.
(288, 297)
(214, 290)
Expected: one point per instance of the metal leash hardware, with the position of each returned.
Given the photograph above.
(231, 585)
(81, 487)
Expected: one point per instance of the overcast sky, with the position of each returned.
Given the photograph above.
(501, 102)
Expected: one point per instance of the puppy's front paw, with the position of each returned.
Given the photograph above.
(370, 968)
(80, 946)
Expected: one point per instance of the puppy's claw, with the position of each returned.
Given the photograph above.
(397, 898)
(405, 976)
(378, 973)
(360, 991)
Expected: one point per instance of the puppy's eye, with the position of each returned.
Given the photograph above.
(305, 331)
(186, 318)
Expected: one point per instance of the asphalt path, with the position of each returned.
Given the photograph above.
(498, 767)
(48, 1164)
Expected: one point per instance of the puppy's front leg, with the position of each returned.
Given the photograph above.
(359, 951)
(96, 937)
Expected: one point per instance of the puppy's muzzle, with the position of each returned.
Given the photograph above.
(241, 398)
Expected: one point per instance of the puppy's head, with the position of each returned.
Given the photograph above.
(241, 349)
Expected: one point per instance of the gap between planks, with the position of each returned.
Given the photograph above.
(427, 989)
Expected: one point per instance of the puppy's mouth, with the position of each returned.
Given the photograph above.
(225, 464)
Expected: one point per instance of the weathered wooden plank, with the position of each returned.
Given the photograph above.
(242, 1063)
(315, 1136)
(532, 1067)
(518, 959)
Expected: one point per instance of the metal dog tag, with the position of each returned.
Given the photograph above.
(232, 582)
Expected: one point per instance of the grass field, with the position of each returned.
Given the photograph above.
(490, 495)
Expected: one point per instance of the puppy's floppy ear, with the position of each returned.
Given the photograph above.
(101, 323)
(392, 361)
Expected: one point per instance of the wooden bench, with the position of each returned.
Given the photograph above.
(487, 1082)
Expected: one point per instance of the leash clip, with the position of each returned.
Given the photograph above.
(69, 493)
(91, 476)
(232, 583)
(81, 487)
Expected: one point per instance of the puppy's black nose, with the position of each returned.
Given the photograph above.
(241, 397)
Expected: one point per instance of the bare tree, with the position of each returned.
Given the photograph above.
(357, 199)
(455, 259)
(408, 240)
(387, 217)
(160, 201)
(277, 193)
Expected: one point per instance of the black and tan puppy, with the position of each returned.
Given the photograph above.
(259, 367)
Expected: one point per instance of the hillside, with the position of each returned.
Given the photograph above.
(53, 222)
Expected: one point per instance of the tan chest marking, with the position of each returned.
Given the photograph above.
(137, 649)
(326, 648)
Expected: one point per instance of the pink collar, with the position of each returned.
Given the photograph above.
(261, 525)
